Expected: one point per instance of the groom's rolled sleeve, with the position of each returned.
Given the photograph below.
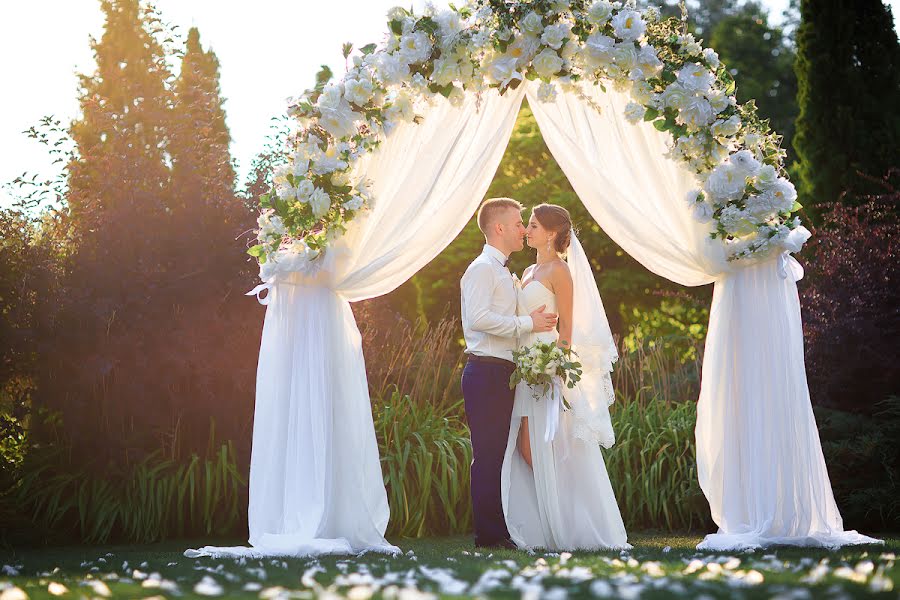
(478, 306)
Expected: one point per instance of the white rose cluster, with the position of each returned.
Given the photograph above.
(452, 54)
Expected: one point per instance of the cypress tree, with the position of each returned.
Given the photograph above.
(119, 176)
(202, 173)
(849, 90)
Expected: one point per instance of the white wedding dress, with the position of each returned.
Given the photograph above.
(565, 502)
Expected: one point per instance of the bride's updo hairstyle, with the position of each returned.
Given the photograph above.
(555, 218)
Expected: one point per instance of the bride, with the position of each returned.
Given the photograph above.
(555, 489)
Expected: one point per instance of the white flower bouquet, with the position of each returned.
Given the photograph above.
(539, 363)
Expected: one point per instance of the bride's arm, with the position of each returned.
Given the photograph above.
(561, 279)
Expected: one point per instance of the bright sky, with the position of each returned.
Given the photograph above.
(268, 50)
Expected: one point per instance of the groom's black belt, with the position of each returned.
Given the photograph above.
(490, 359)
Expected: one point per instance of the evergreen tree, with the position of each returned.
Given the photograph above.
(202, 172)
(848, 72)
(119, 177)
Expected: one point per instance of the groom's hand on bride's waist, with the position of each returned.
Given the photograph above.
(543, 321)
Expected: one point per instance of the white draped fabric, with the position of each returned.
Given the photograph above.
(315, 479)
(759, 458)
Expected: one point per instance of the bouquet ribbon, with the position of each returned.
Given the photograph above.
(554, 407)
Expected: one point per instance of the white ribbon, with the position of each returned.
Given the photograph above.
(787, 264)
(268, 284)
(554, 407)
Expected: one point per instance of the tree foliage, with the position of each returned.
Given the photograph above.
(848, 72)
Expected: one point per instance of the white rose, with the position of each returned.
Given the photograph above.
(285, 191)
(546, 92)
(766, 177)
(628, 25)
(555, 35)
(711, 57)
(547, 63)
(354, 203)
(358, 91)
(299, 165)
(796, 238)
(446, 70)
(330, 160)
(599, 12)
(449, 23)
(391, 68)
(396, 13)
(598, 49)
(502, 70)
(727, 127)
(401, 108)
(718, 100)
(688, 45)
(724, 183)
(320, 202)
(674, 96)
(532, 23)
(781, 194)
(457, 96)
(692, 145)
(415, 47)
(331, 96)
(745, 161)
(648, 59)
(737, 222)
(524, 48)
(305, 188)
(634, 112)
(642, 93)
(695, 113)
(695, 77)
(480, 39)
(625, 56)
(702, 212)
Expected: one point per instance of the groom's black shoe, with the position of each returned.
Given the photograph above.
(506, 544)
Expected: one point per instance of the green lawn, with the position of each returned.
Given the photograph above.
(657, 567)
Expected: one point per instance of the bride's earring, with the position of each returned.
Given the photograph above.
(549, 242)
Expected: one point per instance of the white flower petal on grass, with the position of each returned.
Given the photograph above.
(57, 589)
(208, 587)
(13, 593)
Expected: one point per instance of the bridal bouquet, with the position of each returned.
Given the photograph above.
(539, 363)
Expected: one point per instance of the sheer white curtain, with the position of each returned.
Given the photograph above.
(315, 477)
(759, 458)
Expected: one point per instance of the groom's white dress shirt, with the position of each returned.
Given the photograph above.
(489, 298)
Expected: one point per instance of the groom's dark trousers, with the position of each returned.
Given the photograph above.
(489, 403)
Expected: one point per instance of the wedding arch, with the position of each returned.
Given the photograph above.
(387, 166)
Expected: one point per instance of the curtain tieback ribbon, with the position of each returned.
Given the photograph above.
(266, 285)
(788, 265)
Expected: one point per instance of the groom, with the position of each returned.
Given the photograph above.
(490, 325)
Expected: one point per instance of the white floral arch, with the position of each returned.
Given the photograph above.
(388, 165)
